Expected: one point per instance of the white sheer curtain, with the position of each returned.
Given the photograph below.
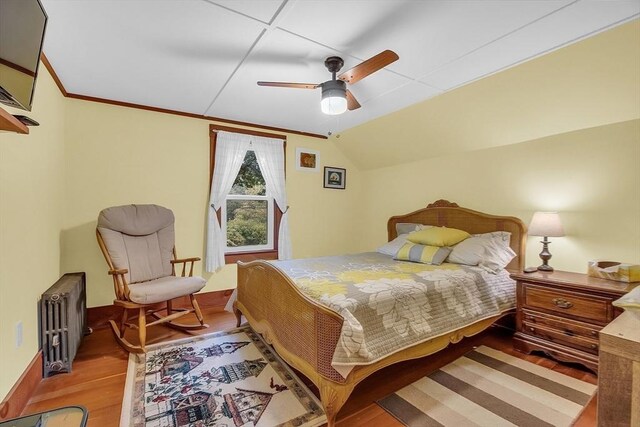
(270, 157)
(231, 149)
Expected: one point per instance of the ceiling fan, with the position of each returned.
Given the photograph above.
(336, 98)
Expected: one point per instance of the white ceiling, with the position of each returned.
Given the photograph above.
(204, 57)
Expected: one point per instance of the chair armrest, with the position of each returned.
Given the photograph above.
(120, 285)
(179, 261)
(184, 262)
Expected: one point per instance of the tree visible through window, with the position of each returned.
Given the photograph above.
(248, 212)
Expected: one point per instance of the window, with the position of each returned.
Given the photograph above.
(249, 217)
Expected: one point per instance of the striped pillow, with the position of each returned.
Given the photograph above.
(414, 252)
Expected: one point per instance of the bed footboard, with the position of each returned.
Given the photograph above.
(304, 333)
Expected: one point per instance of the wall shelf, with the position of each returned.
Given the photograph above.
(10, 123)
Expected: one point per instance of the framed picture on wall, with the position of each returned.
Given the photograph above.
(307, 160)
(335, 178)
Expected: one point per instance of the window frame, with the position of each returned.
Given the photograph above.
(270, 220)
(247, 255)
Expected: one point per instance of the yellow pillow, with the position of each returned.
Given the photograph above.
(438, 236)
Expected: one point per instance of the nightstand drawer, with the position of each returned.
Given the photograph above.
(565, 303)
(549, 334)
(568, 327)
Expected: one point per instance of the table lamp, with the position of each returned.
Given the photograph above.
(546, 224)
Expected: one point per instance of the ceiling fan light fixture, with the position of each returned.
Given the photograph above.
(334, 97)
(333, 105)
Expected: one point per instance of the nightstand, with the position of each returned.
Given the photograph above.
(561, 314)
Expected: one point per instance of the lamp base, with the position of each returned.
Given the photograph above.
(545, 255)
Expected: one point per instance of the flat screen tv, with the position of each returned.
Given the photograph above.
(22, 25)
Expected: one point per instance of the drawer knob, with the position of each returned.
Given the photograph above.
(594, 333)
(532, 329)
(594, 346)
(562, 303)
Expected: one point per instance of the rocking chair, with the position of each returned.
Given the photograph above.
(138, 243)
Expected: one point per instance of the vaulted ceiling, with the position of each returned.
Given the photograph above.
(204, 57)
(592, 83)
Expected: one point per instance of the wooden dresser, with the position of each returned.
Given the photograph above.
(562, 313)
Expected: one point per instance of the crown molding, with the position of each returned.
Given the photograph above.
(56, 79)
(66, 94)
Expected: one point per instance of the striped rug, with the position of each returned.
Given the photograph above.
(487, 387)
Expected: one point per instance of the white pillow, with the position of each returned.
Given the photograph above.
(470, 251)
(490, 251)
(497, 256)
(503, 238)
(391, 248)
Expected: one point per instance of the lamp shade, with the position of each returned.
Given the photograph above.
(546, 224)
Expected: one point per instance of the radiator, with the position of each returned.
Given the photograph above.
(63, 322)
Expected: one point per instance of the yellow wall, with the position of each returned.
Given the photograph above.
(119, 155)
(32, 201)
(590, 176)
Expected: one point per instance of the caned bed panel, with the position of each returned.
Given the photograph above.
(300, 326)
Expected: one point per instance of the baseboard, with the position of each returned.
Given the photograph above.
(19, 395)
(98, 317)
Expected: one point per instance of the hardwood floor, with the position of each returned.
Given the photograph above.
(99, 372)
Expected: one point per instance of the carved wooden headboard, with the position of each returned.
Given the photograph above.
(443, 213)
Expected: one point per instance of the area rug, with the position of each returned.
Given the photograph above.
(487, 387)
(230, 378)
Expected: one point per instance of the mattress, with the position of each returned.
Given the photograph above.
(390, 305)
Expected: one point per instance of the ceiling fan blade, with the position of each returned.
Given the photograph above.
(291, 85)
(352, 102)
(369, 66)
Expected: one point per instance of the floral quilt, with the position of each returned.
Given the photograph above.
(390, 305)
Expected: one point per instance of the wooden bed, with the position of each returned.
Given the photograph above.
(305, 334)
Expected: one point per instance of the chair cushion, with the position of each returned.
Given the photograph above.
(136, 220)
(164, 289)
(139, 238)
